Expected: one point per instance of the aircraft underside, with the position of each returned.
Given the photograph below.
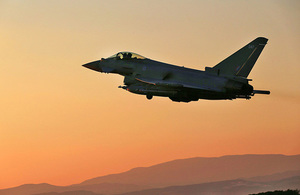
(183, 95)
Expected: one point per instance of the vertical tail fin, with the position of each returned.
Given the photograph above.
(241, 62)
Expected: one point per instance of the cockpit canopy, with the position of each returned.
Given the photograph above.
(126, 56)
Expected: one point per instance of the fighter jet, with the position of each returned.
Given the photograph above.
(225, 81)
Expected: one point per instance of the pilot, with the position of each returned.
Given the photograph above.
(129, 55)
(125, 56)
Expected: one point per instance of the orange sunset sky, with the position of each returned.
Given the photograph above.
(61, 123)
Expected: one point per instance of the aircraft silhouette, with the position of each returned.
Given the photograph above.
(225, 81)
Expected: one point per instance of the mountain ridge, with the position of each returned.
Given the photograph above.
(191, 169)
(197, 170)
(229, 187)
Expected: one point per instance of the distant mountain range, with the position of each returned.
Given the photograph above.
(231, 187)
(220, 175)
(202, 170)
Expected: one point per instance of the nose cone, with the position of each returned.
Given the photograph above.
(93, 65)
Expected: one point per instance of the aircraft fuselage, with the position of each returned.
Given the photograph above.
(152, 78)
